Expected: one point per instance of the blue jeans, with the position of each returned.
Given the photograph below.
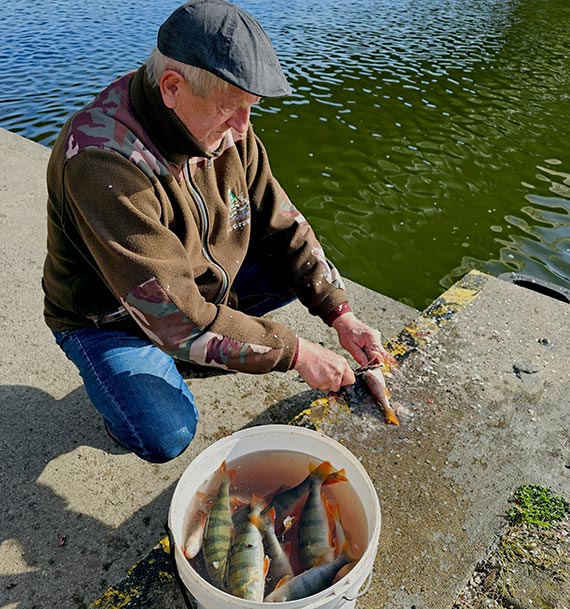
(136, 387)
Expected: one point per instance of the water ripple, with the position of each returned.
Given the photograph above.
(422, 139)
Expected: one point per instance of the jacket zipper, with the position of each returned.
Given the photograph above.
(202, 210)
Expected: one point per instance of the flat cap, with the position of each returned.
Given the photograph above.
(220, 37)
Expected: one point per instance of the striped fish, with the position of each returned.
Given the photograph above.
(218, 533)
(287, 500)
(247, 563)
(311, 581)
(279, 565)
(315, 539)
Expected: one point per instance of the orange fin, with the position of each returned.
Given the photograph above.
(391, 417)
(322, 470)
(334, 477)
(282, 581)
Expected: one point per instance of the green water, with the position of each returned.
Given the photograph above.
(423, 138)
(433, 142)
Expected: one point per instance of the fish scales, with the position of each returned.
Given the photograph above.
(314, 534)
(280, 565)
(309, 582)
(218, 535)
(285, 501)
(247, 564)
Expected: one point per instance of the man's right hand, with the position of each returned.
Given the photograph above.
(321, 368)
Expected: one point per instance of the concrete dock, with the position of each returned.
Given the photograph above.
(483, 395)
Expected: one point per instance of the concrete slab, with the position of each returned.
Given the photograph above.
(483, 396)
(77, 511)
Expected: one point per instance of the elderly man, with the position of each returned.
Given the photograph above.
(169, 238)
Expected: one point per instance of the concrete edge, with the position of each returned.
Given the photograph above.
(155, 569)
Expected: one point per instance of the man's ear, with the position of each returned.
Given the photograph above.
(170, 84)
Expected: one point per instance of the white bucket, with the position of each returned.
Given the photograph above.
(343, 594)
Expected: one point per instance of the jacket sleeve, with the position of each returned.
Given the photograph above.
(285, 238)
(121, 218)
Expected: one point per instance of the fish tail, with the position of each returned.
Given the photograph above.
(391, 417)
(255, 520)
(322, 470)
(334, 477)
(258, 503)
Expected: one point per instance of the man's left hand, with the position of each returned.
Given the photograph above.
(360, 340)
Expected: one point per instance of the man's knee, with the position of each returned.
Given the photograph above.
(167, 447)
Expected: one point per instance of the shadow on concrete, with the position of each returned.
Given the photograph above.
(37, 429)
(54, 551)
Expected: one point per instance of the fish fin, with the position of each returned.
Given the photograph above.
(256, 521)
(205, 501)
(266, 563)
(268, 519)
(334, 477)
(347, 552)
(322, 470)
(237, 502)
(391, 418)
(282, 582)
(258, 503)
(385, 361)
(222, 468)
(343, 571)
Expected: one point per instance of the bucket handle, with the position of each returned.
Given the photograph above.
(188, 601)
(360, 592)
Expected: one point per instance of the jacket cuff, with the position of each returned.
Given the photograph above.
(339, 310)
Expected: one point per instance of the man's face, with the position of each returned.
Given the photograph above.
(209, 119)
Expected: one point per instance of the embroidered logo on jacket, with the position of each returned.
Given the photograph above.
(240, 213)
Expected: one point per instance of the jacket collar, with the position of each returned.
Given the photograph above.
(165, 129)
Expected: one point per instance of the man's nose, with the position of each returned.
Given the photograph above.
(239, 120)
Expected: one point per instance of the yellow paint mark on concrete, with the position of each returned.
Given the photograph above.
(165, 544)
(410, 339)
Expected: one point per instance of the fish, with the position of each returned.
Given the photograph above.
(312, 580)
(280, 565)
(285, 501)
(218, 533)
(247, 563)
(340, 535)
(374, 379)
(315, 541)
(195, 537)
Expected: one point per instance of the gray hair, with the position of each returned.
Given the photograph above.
(203, 83)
